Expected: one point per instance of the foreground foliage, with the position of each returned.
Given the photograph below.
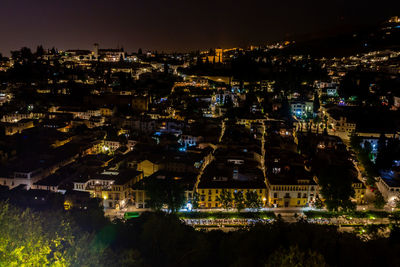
(30, 238)
(159, 239)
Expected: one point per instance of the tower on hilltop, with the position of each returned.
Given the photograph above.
(96, 50)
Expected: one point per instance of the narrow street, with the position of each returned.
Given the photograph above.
(206, 163)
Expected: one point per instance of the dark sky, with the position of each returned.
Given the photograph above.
(177, 25)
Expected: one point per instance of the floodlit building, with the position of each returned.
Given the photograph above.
(302, 108)
(114, 187)
(290, 186)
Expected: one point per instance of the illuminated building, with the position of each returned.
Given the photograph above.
(108, 55)
(300, 109)
(231, 174)
(18, 127)
(290, 186)
(209, 194)
(115, 188)
(359, 191)
(395, 19)
(215, 57)
(140, 103)
(149, 166)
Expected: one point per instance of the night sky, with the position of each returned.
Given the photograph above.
(176, 25)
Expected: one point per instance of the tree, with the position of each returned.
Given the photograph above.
(397, 203)
(228, 102)
(165, 241)
(238, 199)
(47, 239)
(379, 201)
(225, 199)
(253, 200)
(370, 180)
(326, 124)
(24, 240)
(336, 187)
(166, 68)
(195, 200)
(317, 121)
(367, 147)
(175, 197)
(294, 257)
(318, 203)
(164, 192)
(155, 192)
(309, 123)
(364, 156)
(123, 140)
(26, 54)
(39, 51)
(285, 109)
(355, 141)
(383, 159)
(316, 103)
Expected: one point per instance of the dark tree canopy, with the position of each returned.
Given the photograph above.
(165, 192)
(336, 187)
